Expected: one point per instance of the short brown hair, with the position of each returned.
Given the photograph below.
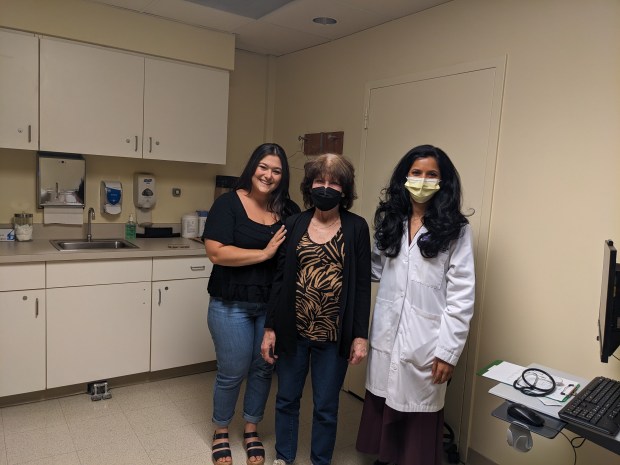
(334, 167)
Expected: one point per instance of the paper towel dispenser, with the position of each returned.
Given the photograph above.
(60, 179)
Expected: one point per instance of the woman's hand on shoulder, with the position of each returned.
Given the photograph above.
(359, 350)
(267, 346)
(275, 242)
(441, 371)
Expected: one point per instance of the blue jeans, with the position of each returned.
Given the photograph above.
(237, 331)
(327, 373)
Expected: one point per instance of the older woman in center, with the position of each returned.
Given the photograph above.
(317, 317)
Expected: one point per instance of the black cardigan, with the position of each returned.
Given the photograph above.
(355, 295)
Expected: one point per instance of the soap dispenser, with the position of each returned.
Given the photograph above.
(130, 228)
(111, 197)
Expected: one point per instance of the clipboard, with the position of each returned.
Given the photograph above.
(508, 373)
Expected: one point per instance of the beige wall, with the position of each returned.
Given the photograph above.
(556, 195)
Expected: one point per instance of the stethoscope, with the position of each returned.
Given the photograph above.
(535, 382)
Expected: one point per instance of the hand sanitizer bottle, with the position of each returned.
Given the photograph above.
(130, 228)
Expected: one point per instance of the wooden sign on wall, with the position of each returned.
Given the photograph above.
(323, 142)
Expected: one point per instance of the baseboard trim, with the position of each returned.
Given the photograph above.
(82, 388)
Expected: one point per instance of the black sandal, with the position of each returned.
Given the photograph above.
(220, 454)
(254, 449)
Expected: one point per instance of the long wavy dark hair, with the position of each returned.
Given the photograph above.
(443, 218)
(279, 201)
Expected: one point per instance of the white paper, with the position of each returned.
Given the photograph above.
(62, 215)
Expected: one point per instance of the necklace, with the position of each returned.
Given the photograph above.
(326, 227)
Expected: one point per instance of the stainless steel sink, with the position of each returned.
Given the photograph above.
(95, 244)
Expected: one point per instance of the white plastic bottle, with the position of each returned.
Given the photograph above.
(130, 228)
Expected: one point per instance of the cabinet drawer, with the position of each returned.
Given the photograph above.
(90, 272)
(18, 276)
(181, 268)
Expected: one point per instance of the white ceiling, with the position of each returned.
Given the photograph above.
(286, 29)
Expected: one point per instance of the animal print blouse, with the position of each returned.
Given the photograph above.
(319, 283)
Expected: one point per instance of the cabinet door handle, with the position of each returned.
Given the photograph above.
(197, 268)
(159, 302)
(36, 308)
(29, 133)
(150, 144)
(136, 149)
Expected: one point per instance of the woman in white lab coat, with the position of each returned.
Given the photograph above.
(423, 258)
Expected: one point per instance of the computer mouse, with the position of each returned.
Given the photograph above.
(525, 415)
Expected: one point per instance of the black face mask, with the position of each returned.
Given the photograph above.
(325, 198)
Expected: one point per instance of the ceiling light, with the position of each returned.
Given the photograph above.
(324, 20)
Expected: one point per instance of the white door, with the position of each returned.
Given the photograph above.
(91, 100)
(19, 90)
(22, 341)
(456, 109)
(97, 332)
(179, 332)
(185, 112)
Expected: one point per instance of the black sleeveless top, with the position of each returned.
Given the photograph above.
(228, 223)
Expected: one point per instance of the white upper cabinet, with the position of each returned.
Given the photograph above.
(91, 100)
(19, 90)
(105, 102)
(185, 112)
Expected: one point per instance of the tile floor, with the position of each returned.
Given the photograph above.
(163, 422)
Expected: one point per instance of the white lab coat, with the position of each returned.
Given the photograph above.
(422, 311)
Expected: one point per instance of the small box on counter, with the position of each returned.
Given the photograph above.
(7, 234)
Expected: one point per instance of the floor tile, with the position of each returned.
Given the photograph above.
(177, 444)
(140, 396)
(151, 420)
(36, 415)
(188, 386)
(81, 407)
(196, 409)
(63, 459)
(200, 459)
(128, 451)
(38, 444)
(98, 431)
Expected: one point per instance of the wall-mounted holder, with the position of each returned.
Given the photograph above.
(60, 180)
(111, 196)
(323, 142)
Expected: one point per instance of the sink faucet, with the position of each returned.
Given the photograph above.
(91, 217)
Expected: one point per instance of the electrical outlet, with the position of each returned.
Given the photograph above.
(176, 192)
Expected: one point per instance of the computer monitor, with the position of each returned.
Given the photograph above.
(609, 310)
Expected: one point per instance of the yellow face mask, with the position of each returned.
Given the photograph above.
(422, 189)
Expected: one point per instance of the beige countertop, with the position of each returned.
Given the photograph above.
(41, 250)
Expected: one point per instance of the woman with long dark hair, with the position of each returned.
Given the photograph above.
(423, 258)
(242, 233)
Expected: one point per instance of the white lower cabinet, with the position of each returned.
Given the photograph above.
(22, 341)
(101, 328)
(78, 321)
(179, 332)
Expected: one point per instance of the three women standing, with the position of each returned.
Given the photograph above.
(423, 258)
(242, 234)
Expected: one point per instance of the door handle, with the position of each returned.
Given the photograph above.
(159, 302)
(36, 308)
(29, 133)
(136, 149)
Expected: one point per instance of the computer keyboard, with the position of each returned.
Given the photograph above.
(597, 406)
